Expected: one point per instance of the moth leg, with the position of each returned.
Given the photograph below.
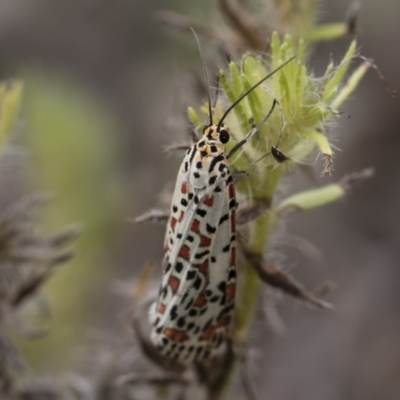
(239, 175)
(155, 215)
(250, 213)
(253, 131)
(170, 148)
(278, 155)
(193, 136)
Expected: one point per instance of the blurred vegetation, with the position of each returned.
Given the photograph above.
(10, 100)
(73, 155)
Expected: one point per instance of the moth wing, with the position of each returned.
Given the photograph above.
(194, 264)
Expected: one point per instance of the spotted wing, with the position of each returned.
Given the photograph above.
(192, 314)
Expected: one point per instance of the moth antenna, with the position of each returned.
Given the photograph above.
(216, 94)
(250, 90)
(205, 73)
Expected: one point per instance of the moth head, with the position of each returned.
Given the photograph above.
(216, 134)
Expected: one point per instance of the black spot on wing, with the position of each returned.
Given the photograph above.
(222, 286)
(214, 299)
(190, 275)
(173, 314)
(179, 267)
(189, 304)
(201, 212)
(222, 167)
(203, 311)
(199, 256)
(226, 248)
(207, 324)
(210, 229)
(223, 219)
(214, 162)
(193, 154)
(212, 180)
(190, 326)
(197, 283)
(193, 312)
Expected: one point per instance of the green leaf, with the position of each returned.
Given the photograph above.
(310, 199)
(327, 32)
(332, 86)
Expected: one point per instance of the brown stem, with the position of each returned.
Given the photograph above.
(245, 25)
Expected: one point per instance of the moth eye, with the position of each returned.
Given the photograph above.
(223, 136)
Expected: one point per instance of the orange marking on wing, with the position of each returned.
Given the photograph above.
(205, 241)
(173, 223)
(223, 321)
(208, 333)
(200, 301)
(203, 268)
(161, 308)
(233, 221)
(173, 282)
(181, 216)
(175, 334)
(230, 291)
(195, 226)
(231, 191)
(183, 188)
(184, 252)
(233, 256)
(209, 201)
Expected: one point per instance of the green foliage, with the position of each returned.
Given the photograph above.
(297, 125)
(73, 155)
(10, 100)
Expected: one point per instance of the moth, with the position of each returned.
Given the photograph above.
(192, 316)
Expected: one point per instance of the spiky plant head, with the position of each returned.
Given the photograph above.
(306, 104)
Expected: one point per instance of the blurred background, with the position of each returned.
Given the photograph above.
(103, 95)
